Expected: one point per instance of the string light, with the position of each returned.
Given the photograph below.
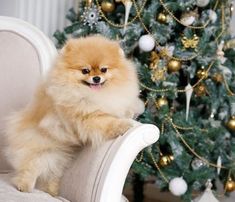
(227, 87)
(140, 158)
(177, 20)
(191, 149)
(158, 168)
(178, 90)
(147, 30)
(176, 127)
(115, 24)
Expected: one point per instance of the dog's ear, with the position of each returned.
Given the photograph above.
(68, 46)
(62, 50)
(121, 52)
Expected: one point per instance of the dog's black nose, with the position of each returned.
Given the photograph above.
(96, 79)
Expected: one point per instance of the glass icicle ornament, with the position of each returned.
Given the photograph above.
(219, 164)
(188, 92)
(127, 5)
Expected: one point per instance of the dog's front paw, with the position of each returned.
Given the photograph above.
(53, 187)
(134, 123)
(121, 127)
(130, 114)
(22, 185)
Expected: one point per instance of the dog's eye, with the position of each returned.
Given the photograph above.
(103, 69)
(85, 71)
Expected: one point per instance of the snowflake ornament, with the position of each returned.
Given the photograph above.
(91, 16)
(167, 50)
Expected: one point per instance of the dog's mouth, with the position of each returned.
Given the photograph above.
(95, 86)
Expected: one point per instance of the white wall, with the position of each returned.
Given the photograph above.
(47, 15)
(15, 8)
(232, 25)
(7, 7)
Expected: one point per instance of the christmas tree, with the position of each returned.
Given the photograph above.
(185, 58)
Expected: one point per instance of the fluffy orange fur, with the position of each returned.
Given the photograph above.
(70, 110)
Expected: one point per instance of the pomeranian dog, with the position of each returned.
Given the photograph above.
(90, 95)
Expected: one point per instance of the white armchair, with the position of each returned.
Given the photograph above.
(96, 175)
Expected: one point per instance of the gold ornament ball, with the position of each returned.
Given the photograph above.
(165, 160)
(229, 44)
(231, 123)
(230, 185)
(200, 90)
(218, 78)
(88, 3)
(160, 102)
(162, 18)
(107, 6)
(202, 73)
(174, 65)
(171, 157)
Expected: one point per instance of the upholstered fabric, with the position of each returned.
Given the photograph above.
(80, 180)
(98, 174)
(9, 194)
(19, 74)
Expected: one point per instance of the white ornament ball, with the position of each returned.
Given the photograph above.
(202, 3)
(146, 43)
(212, 16)
(178, 186)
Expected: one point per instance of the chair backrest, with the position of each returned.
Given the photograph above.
(98, 175)
(25, 54)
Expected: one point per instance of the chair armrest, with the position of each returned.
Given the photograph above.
(98, 175)
(120, 160)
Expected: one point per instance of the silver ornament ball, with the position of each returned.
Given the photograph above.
(197, 164)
